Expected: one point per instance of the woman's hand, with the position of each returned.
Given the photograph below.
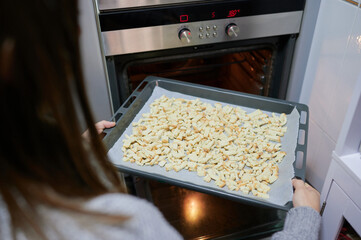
(100, 126)
(305, 195)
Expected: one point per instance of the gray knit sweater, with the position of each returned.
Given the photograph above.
(301, 223)
(146, 222)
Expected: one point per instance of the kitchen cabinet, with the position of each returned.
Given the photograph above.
(343, 200)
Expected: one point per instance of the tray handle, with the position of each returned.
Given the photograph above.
(301, 148)
(126, 105)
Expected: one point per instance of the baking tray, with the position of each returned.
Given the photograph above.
(127, 112)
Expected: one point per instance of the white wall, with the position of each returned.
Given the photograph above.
(333, 68)
(94, 71)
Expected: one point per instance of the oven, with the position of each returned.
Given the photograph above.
(241, 45)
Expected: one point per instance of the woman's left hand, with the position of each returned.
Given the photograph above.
(305, 195)
(100, 126)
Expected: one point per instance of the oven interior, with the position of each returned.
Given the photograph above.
(247, 71)
(198, 215)
(258, 66)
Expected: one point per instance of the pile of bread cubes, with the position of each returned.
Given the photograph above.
(223, 144)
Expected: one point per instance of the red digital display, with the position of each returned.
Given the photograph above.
(183, 18)
(233, 13)
(213, 14)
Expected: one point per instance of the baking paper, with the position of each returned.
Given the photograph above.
(281, 190)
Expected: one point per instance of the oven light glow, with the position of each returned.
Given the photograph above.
(194, 208)
(233, 13)
(358, 43)
(183, 18)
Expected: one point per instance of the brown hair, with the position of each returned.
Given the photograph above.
(42, 155)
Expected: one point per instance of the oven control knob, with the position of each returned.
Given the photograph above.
(185, 35)
(232, 30)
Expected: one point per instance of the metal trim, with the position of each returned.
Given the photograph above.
(166, 37)
(96, 15)
(105, 5)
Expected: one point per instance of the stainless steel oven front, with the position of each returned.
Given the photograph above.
(242, 45)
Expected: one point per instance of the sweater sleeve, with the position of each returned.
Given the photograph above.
(301, 223)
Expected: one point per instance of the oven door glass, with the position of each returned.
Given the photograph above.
(198, 215)
(242, 71)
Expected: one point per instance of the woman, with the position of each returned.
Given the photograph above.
(55, 184)
(52, 181)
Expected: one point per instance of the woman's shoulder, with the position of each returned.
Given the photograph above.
(5, 230)
(120, 203)
(144, 218)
